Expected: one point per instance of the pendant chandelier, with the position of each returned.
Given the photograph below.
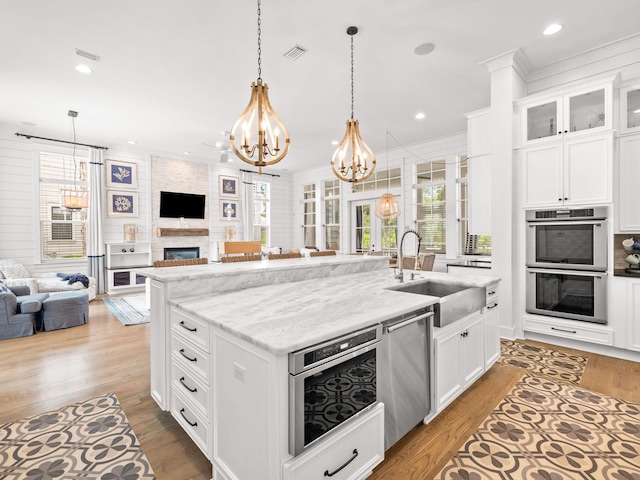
(261, 122)
(387, 207)
(74, 199)
(353, 161)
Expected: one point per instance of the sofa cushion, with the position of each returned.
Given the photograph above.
(14, 271)
(32, 303)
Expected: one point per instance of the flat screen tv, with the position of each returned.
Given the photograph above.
(176, 205)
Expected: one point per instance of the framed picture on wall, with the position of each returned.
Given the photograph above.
(229, 187)
(121, 174)
(228, 210)
(122, 204)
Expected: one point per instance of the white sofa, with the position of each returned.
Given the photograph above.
(13, 273)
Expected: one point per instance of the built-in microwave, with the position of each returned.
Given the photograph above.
(567, 239)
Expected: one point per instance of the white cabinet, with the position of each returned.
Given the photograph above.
(628, 212)
(459, 358)
(630, 109)
(350, 454)
(568, 113)
(479, 173)
(626, 308)
(120, 262)
(571, 172)
(491, 327)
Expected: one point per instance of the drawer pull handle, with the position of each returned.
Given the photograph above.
(194, 329)
(193, 424)
(194, 359)
(491, 293)
(493, 306)
(355, 454)
(192, 390)
(562, 330)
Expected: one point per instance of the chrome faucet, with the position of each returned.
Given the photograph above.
(400, 275)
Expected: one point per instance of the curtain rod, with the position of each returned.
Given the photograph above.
(61, 141)
(270, 174)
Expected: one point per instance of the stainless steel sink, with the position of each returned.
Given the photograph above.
(455, 301)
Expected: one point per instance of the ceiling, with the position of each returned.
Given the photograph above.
(173, 74)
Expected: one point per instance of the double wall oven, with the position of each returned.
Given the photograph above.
(566, 255)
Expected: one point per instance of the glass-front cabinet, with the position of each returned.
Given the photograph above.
(566, 115)
(630, 109)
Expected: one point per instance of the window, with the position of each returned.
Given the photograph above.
(380, 180)
(430, 205)
(261, 212)
(468, 244)
(309, 216)
(331, 224)
(63, 232)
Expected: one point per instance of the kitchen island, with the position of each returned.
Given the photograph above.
(230, 350)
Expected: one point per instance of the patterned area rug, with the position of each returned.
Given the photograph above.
(130, 310)
(88, 440)
(550, 363)
(544, 430)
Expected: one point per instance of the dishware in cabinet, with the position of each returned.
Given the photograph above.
(567, 114)
(573, 172)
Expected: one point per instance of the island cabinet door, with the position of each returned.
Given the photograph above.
(349, 453)
(448, 383)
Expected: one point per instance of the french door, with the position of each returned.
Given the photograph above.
(368, 232)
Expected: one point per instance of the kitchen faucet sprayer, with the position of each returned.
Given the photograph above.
(400, 275)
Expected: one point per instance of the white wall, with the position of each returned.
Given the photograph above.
(19, 221)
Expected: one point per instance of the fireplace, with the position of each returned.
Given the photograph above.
(180, 253)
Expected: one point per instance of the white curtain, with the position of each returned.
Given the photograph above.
(95, 227)
(247, 206)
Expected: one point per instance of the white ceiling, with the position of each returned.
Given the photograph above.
(173, 74)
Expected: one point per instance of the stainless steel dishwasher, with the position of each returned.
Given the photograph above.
(403, 372)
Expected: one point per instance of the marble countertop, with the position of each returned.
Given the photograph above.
(188, 272)
(286, 317)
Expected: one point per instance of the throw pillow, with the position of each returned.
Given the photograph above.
(15, 271)
(3, 287)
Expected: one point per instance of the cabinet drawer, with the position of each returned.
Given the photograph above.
(194, 357)
(191, 386)
(191, 421)
(362, 440)
(192, 328)
(577, 332)
(492, 293)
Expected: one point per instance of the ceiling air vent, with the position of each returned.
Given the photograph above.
(295, 52)
(90, 56)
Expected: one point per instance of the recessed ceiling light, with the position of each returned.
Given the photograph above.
(335, 142)
(553, 28)
(83, 69)
(420, 116)
(636, 111)
(424, 49)
(28, 124)
(187, 153)
(131, 142)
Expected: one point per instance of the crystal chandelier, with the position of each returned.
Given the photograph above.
(353, 161)
(387, 207)
(74, 199)
(259, 118)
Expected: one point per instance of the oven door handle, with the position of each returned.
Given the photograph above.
(335, 361)
(399, 325)
(533, 223)
(580, 273)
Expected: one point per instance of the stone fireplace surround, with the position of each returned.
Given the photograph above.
(176, 175)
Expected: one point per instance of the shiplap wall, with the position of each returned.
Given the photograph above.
(19, 222)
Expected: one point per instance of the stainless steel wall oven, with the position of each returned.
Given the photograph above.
(566, 255)
(329, 384)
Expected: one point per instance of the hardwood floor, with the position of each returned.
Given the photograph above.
(53, 369)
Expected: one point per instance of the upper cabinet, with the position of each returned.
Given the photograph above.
(630, 109)
(479, 175)
(567, 113)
